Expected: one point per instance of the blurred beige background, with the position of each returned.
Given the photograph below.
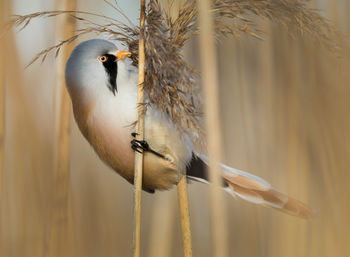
(285, 112)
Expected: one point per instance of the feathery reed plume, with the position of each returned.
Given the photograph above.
(162, 74)
(212, 120)
(61, 233)
(293, 14)
(170, 82)
(139, 134)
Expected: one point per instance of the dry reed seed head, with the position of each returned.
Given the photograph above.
(293, 14)
(170, 82)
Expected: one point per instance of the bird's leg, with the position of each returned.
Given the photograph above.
(142, 145)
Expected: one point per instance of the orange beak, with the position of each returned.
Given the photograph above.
(121, 55)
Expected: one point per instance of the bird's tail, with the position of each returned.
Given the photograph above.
(248, 187)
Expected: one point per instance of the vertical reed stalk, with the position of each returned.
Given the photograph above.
(140, 134)
(61, 227)
(161, 236)
(182, 185)
(347, 18)
(185, 217)
(334, 12)
(163, 215)
(2, 96)
(211, 94)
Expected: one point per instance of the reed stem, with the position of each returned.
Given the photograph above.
(140, 134)
(185, 217)
(211, 94)
(2, 96)
(61, 233)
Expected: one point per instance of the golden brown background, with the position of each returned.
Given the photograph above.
(285, 110)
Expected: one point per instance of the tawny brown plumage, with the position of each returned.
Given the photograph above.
(268, 197)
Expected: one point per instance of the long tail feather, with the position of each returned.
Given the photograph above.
(259, 191)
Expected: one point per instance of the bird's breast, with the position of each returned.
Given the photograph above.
(108, 125)
(109, 132)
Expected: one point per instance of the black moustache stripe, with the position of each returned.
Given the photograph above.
(111, 68)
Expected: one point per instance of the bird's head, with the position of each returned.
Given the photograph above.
(92, 68)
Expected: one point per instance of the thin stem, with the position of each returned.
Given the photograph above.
(120, 11)
(140, 134)
(61, 233)
(185, 217)
(211, 93)
(2, 97)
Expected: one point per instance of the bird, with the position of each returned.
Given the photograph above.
(102, 84)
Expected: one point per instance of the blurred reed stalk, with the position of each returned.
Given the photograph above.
(140, 133)
(161, 235)
(212, 120)
(61, 229)
(2, 95)
(334, 11)
(182, 192)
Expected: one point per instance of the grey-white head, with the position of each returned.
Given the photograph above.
(92, 68)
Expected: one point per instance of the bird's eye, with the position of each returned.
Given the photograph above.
(103, 58)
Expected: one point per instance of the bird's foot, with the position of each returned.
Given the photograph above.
(141, 145)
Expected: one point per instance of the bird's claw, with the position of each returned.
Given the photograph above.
(139, 145)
